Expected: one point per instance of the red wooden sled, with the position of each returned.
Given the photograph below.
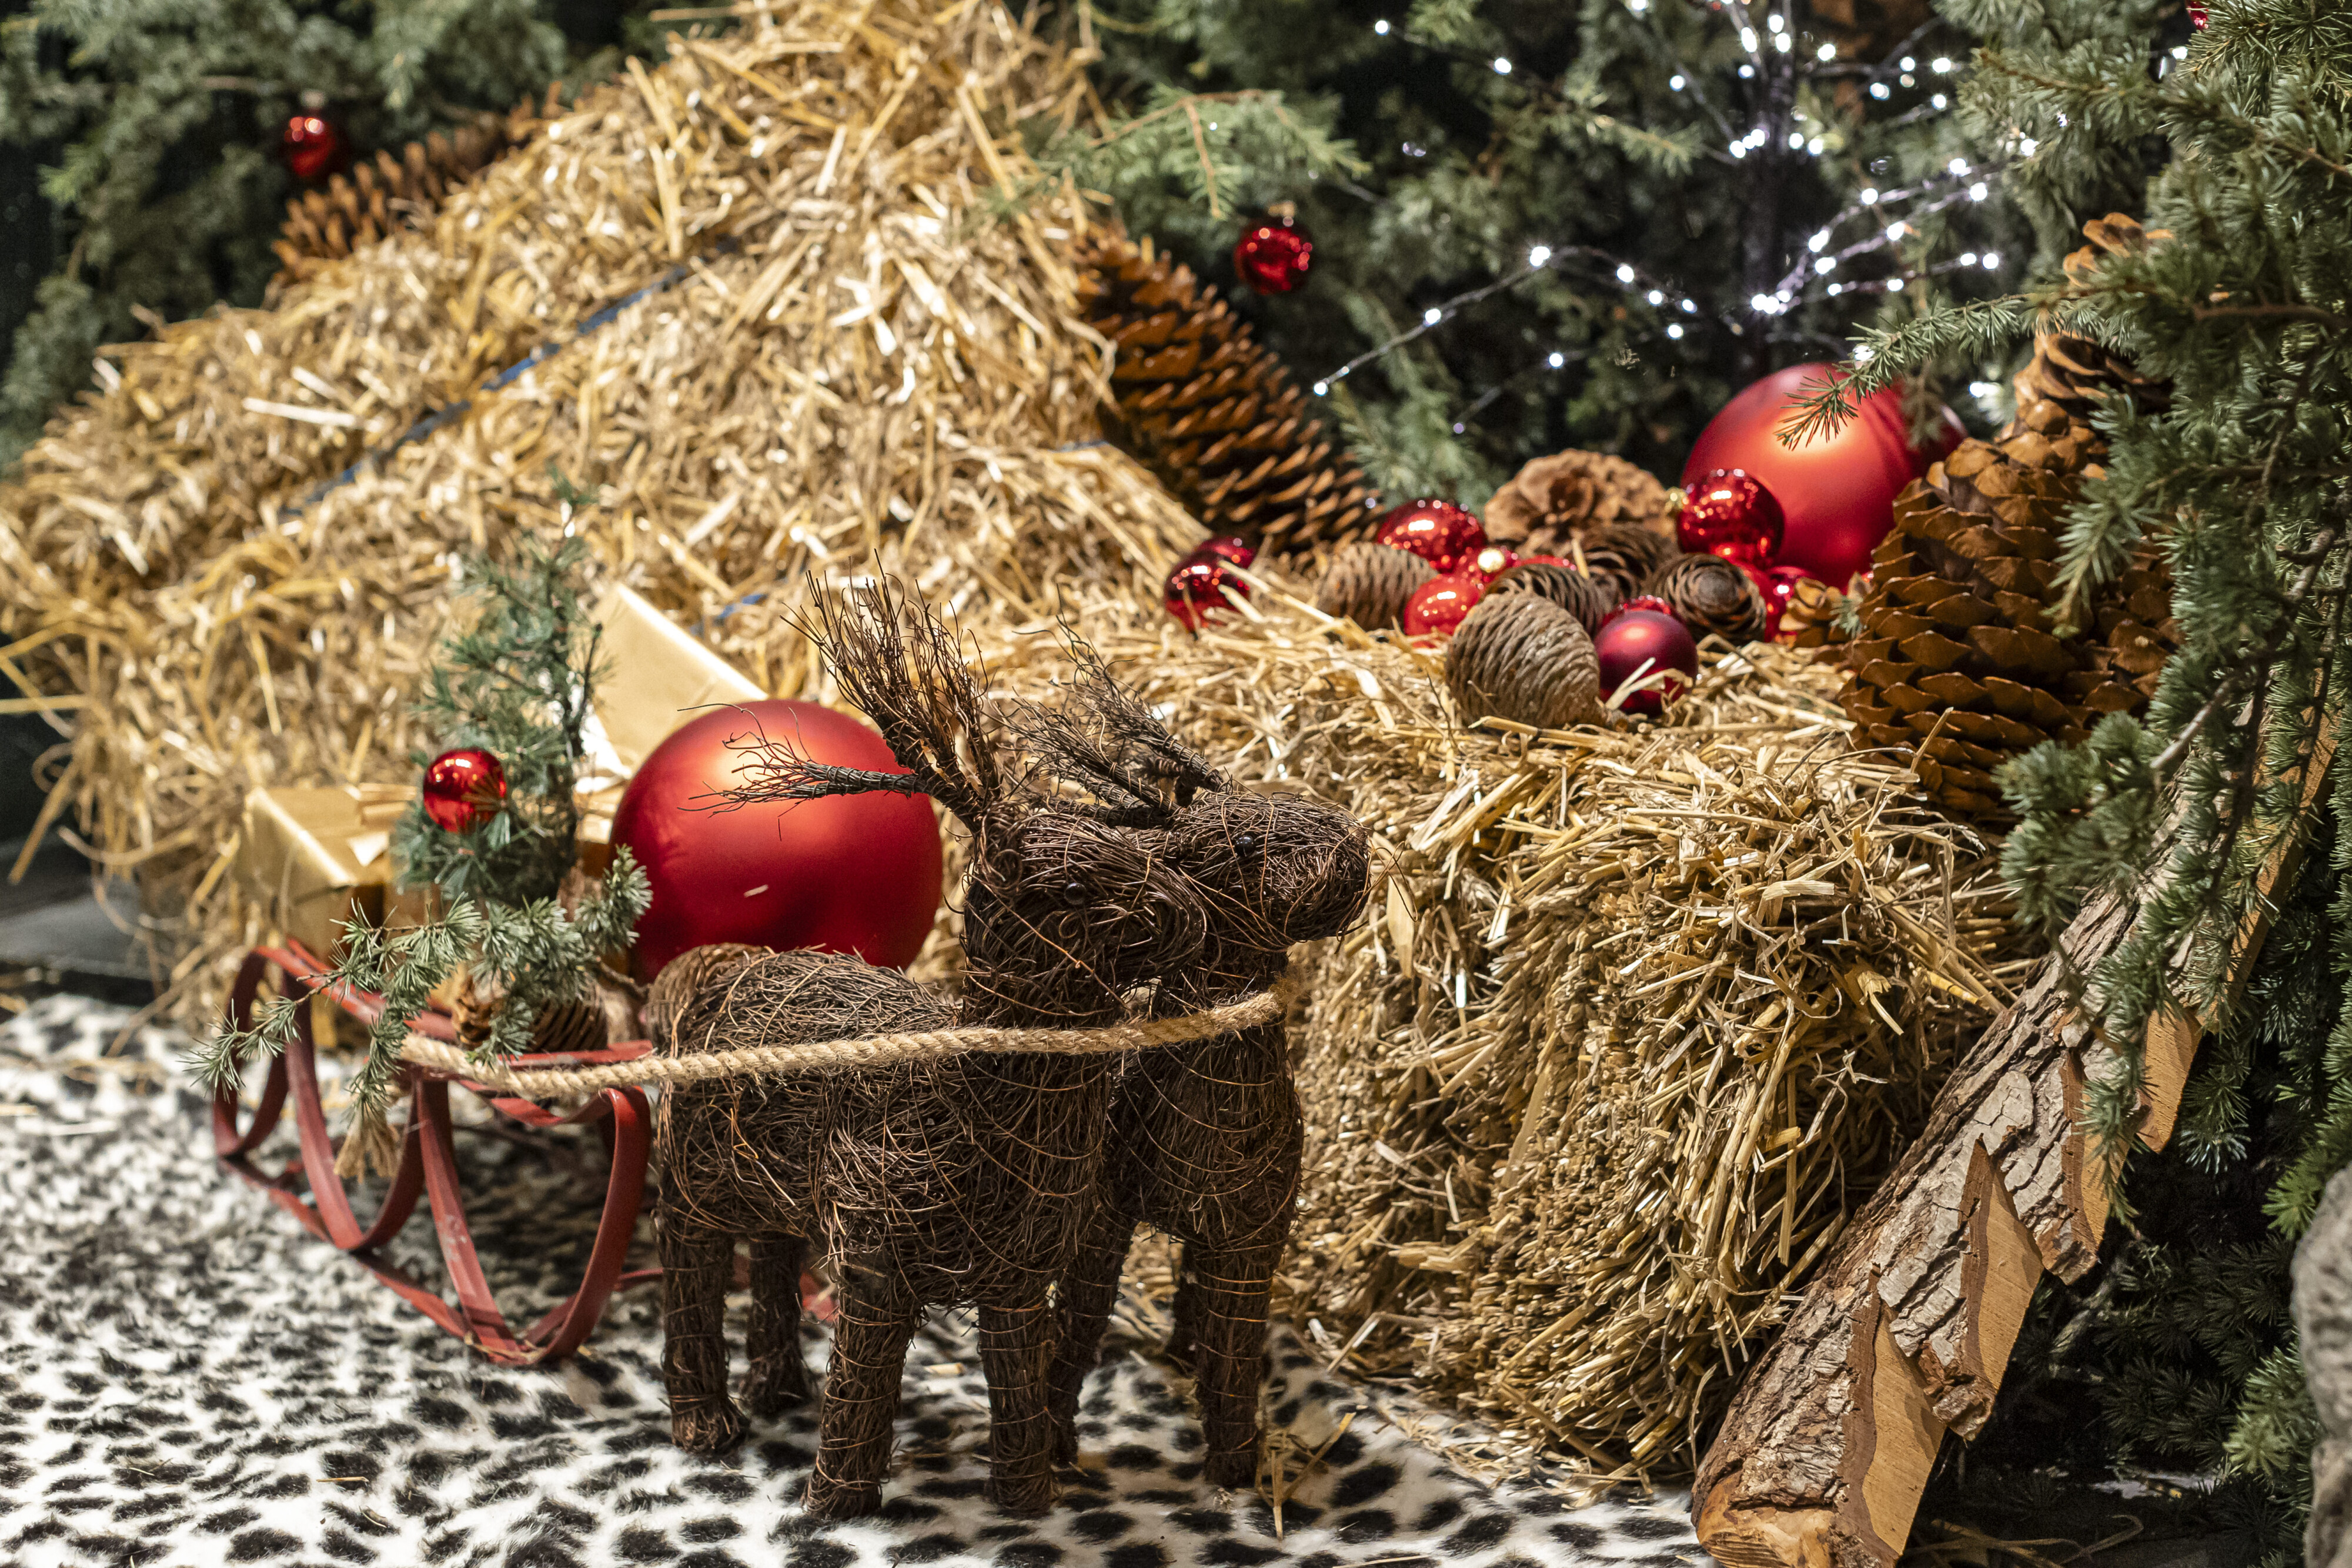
(310, 1190)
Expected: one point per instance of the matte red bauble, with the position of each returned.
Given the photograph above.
(848, 873)
(1837, 492)
(1729, 513)
(1195, 591)
(1439, 532)
(312, 146)
(464, 789)
(1487, 563)
(1650, 602)
(1778, 584)
(1441, 604)
(1638, 645)
(1274, 254)
(1240, 552)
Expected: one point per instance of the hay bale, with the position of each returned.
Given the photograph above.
(1641, 1017)
(865, 357)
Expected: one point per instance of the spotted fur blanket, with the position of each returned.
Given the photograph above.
(190, 1380)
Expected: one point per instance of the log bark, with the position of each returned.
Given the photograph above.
(1906, 1332)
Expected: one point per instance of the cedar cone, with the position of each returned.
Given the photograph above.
(397, 193)
(1557, 500)
(1212, 411)
(1367, 583)
(1589, 599)
(1622, 555)
(1710, 594)
(1522, 657)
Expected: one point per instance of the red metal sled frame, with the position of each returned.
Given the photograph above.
(310, 1190)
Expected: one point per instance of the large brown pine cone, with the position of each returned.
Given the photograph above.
(1522, 657)
(388, 192)
(1212, 411)
(1557, 500)
(1367, 583)
(1710, 595)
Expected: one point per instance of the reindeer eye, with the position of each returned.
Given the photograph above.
(1244, 845)
(1073, 893)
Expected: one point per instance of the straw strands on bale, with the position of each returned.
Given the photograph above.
(1639, 1021)
(862, 355)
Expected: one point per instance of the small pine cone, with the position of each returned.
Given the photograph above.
(386, 191)
(1710, 595)
(1622, 555)
(1521, 657)
(1369, 583)
(1810, 619)
(1589, 599)
(1555, 500)
(573, 1026)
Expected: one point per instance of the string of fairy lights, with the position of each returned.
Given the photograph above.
(1893, 214)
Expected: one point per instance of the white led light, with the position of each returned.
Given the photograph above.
(1675, 330)
(1796, 140)
(1739, 150)
(2180, 51)
(1655, 298)
(1826, 53)
(1985, 390)
(1502, 67)
(1690, 307)
(2027, 146)
(1825, 264)
(1879, 89)
(1864, 354)
(1992, 259)
(1637, 6)
(1958, 166)
(1761, 303)
(1978, 192)
(1747, 73)
(1814, 146)
(1321, 388)
(1773, 23)
(1624, 273)
(1968, 258)
(1781, 41)
(1432, 317)
(1747, 39)
(1675, 82)
(1557, 360)
(1939, 64)
(1870, 195)
(1909, 63)
(1381, 28)
(1836, 290)
(1819, 243)
(1939, 101)
(1895, 231)
(1907, 80)
(1538, 254)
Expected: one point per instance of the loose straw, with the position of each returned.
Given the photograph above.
(873, 1051)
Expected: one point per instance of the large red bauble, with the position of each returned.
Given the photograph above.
(464, 789)
(1274, 254)
(1643, 641)
(1440, 605)
(849, 873)
(1729, 513)
(1837, 492)
(1439, 532)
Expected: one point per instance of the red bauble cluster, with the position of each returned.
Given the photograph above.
(1272, 255)
(312, 145)
(1729, 513)
(1205, 584)
(1634, 646)
(464, 789)
(847, 873)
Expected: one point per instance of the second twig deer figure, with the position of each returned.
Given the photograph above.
(1103, 855)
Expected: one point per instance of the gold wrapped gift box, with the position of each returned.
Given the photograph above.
(314, 856)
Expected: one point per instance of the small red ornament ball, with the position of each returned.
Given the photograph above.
(1239, 551)
(1274, 254)
(1778, 584)
(1439, 532)
(1486, 563)
(1650, 602)
(1639, 643)
(2198, 15)
(464, 789)
(1836, 492)
(1440, 605)
(847, 873)
(1195, 591)
(1729, 513)
(312, 146)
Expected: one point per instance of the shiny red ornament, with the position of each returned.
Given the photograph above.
(1195, 591)
(1240, 552)
(1274, 254)
(1836, 492)
(1650, 602)
(1439, 532)
(1641, 642)
(312, 145)
(1729, 513)
(847, 873)
(464, 789)
(1440, 605)
(2198, 15)
(1778, 584)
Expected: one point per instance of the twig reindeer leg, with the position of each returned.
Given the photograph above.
(778, 1377)
(1231, 1290)
(878, 1316)
(1015, 1344)
(1089, 1290)
(1185, 1331)
(697, 1263)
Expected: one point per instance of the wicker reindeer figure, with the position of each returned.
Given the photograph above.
(956, 1180)
(1205, 1138)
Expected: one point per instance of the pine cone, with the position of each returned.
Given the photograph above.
(390, 193)
(2075, 372)
(1212, 411)
(1622, 555)
(573, 1026)
(1522, 657)
(1369, 583)
(1710, 595)
(1589, 599)
(1554, 501)
(1810, 619)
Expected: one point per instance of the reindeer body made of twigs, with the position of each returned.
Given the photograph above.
(1103, 856)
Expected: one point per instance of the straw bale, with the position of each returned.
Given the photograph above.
(863, 356)
(1640, 1019)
